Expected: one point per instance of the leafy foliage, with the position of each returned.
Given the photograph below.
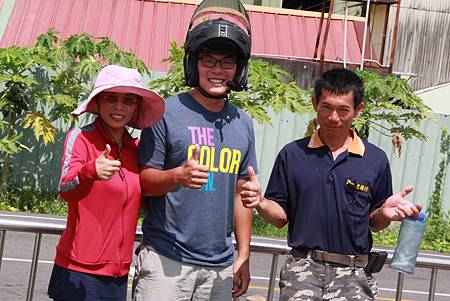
(269, 86)
(391, 108)
(437, 221)
(435, 207)
(387, 237)
(431, 240)
(263, 228)
(27, 199)
(43, 83)
(173, 83)
(38, 201)
(12, 145)
(41, 127)
(437, 232)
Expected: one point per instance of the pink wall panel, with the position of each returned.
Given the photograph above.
(283, 32)
(102, 24)
(132, 30)
(147, 27)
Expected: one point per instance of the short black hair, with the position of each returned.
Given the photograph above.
(340, 81)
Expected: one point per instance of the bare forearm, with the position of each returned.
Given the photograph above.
(243, 220)
(378, 221)
(155, 182)
(271, 212)
(243, 232)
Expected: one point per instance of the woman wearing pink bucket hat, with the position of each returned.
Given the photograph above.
(100, 182)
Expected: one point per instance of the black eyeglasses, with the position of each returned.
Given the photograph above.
(209, 62)
(127, 100)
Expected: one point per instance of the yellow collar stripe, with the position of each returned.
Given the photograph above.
(356, 147)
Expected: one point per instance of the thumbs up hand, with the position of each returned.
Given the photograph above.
(193, 175)
(196, 154)
(106, 167)
(251, 190)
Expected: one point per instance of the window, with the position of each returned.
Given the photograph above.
(311, 5)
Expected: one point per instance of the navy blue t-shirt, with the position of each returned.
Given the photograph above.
(195, 226)
(328, 201)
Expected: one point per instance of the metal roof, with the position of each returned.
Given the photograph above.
(147, 27)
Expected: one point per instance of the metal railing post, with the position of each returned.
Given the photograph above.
(273, 276)
(19, 223)
(398, 294)
(433, 281)
(366, 21)
(2, 245)
(34, 265)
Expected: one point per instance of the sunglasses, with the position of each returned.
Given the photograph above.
(128, 100)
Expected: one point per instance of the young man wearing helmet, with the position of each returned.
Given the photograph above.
(193, 164)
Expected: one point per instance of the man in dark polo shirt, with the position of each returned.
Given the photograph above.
(332, 188)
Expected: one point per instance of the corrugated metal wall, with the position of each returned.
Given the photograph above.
(147, 27)
(428, 5)
(423, 48)
(423, 43)
(417, 164)
(41, 166)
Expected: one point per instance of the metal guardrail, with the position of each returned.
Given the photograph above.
(44, 225)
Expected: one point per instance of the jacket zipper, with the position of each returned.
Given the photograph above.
(122, 177)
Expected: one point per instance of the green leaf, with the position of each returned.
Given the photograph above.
(80, 46)
(269, 86)
(391, 107)
(87, 69)
(11, 145)
(41, 127)
(48, 39)
(109, 51)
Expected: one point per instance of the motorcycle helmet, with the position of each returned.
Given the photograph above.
(219, 36)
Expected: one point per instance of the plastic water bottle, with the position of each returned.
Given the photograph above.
(408, 243)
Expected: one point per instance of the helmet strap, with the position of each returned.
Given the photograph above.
(206, 94)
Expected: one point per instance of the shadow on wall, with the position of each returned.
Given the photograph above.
(417, 165)
(41, 166)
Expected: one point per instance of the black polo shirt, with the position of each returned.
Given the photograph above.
(328, 201)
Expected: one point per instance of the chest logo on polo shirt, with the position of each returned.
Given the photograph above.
(352, 186)
(224, 160)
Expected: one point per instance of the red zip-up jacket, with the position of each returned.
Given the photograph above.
(101, 223)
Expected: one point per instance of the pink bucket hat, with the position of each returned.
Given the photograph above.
(119, 79)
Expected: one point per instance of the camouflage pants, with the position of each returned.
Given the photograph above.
(307, 279)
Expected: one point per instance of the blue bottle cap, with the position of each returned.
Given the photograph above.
(421, 216)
